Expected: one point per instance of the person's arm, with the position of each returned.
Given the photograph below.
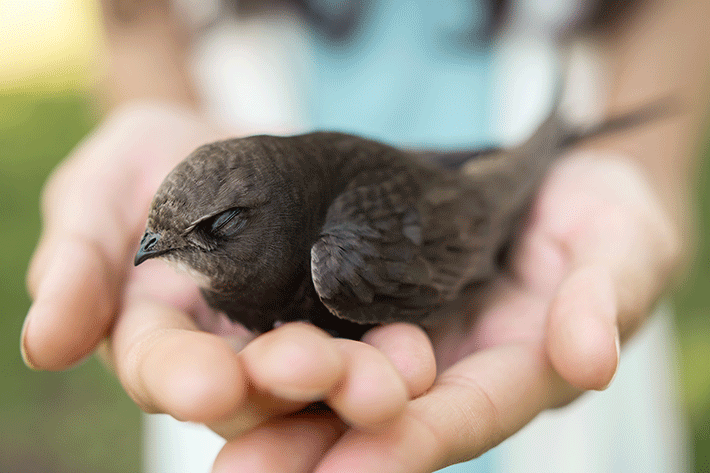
(146, 52)
(662, 50)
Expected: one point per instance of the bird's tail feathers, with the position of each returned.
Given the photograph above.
(649, 112)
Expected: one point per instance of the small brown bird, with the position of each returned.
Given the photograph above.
(343, 231)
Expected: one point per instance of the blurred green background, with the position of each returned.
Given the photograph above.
(81, 420)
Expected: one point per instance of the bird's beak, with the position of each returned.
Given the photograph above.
(149, 248)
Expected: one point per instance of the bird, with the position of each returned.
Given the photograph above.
(346, 232)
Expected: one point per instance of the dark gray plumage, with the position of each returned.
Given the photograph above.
(343, 231)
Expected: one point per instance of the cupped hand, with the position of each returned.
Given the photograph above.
(595, 256)
(93, 208)
(171, 353)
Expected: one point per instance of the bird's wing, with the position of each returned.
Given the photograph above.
(367, 264)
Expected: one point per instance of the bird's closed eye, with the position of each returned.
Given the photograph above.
(225, 224)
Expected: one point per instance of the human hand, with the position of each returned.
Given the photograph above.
(596, 254)
(170, 351)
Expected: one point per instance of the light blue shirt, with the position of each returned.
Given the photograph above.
(411, 73)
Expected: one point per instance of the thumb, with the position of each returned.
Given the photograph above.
(582, 335)
(76, 271)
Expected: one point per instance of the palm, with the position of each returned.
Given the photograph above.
(567, 209)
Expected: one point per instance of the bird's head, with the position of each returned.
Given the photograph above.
(224, 216)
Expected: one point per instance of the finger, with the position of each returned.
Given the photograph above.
(92, 214)
(472, 407)
(301, 363)
(409, 349)
(617, 247)
(287, 368)
(81, 203)
(582, 334)
(637, 259)
(167, 365)
(296, 361)
(622, 226)
(74, 306)
(256, 409)
(39, 263)
(74, 277)
(371, 393)
(287, 445)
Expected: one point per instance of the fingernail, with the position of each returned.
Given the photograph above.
(617, 343)
(23, 343)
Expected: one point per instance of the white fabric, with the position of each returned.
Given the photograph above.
(171, 446)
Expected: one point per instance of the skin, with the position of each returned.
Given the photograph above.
(599, 249)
